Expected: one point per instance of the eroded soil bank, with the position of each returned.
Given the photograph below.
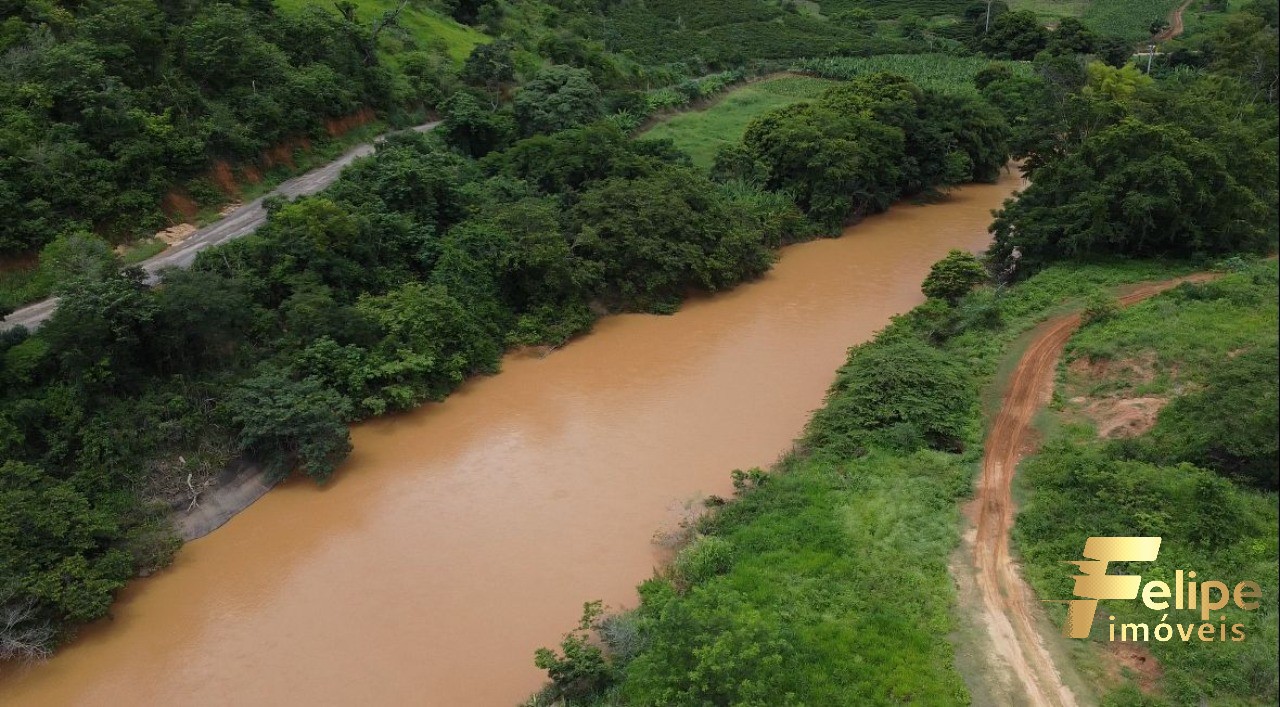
(462, 536)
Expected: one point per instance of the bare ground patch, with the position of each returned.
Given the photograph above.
(1100, 390)
(1135, 661)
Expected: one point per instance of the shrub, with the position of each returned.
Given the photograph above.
(893, 381)
(954, 276)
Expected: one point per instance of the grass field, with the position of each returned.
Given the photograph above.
(701, 133)
(1050, 10)
(1123, 18)
(428, 27)
(941, 72)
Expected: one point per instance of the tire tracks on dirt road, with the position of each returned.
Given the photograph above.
(1009, 609)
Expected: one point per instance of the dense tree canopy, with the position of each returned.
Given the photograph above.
(109, 105)
(864, 144)
(1015, 35)
(559, 97)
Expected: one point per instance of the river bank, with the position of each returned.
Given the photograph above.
(486, 518)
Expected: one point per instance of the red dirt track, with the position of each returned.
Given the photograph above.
(1008, 604)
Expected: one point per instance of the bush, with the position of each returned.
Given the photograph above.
(1231, 425)
(289, 424)
(705, 558)
(893, 381)
(580, 668)
(954, 276)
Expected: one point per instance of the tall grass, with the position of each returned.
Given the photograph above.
(1125, 18)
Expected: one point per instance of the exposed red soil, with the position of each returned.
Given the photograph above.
(224, 178)
(178, 206)
(337, 127)
(1134, 658)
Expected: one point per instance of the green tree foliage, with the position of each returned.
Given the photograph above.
(472, 128)
(1245, 47)
(864, 144)
(899, 389)
(1133, 189)
(109, 105)
(656, 236)
(51, 541)
(73, 257)
(1071, 36)
(559, 97)
(954, 276)
(1014, 35)
(580, 668)
(289, 424)
(1230, 425)
(490, 65)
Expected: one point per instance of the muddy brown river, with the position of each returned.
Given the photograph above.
(460, 537)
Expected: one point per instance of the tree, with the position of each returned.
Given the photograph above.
(73, 257)
(1115, 51)
(55, 556)
(734, 162)
(1245, 46)
(467, 12)
(954, 276)
(1072, 37)
(559, 97)
(101, 328)
(472, 128)
(1015, 35)
(654, 237)
(287, 424)
(990, 74)
(1134, 189)
(837, 164)
(490, 65)
(580, 669)
(892, 383)
(430, 342)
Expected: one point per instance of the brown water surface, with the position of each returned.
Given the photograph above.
(462, 536)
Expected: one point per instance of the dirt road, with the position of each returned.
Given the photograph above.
(1175, 23)
(241, 222)
(1008, 606)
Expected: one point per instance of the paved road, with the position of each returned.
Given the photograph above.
(242, 221)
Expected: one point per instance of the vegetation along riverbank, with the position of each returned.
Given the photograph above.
(843, 548)
(534, 209)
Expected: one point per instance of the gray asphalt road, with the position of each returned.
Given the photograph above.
(242, 221)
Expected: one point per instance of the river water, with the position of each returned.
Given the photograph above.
(460, 537)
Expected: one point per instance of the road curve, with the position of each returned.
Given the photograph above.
(240, 222)
(1007, 603)
(1175, 27)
